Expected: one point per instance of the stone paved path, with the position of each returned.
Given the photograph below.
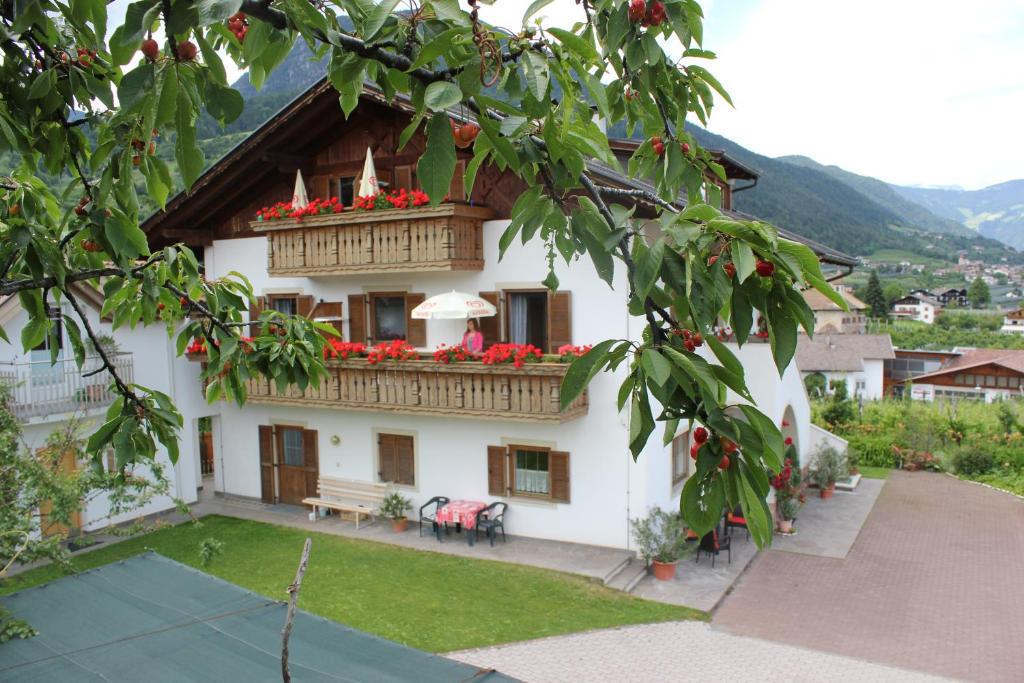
(676, 651)
(934, 582)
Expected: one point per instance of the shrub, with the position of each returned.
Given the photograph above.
(660, 536)
(395, 505)
(972, 461)
(829, 466)
(872, 451)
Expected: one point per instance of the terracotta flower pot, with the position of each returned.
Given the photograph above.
(786, 526)
(827, 491)
(400, 525)
(664, 571)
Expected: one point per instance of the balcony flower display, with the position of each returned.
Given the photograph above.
(399, 349)
(336, 348)
(516, 354)
(284, 210)
(568, 353)
(396, 199)
(453, 354)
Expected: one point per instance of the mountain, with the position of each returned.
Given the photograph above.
(996, 211)
(910, 212)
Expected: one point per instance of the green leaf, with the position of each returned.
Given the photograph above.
(437, 165)
(537, 75)
(782, 335)
(376, 18)
(577, 44)
(190, 158)
(743, 259)
(441, 95)
(223, 103)
(582, 370)
(648, 267)
(702, 503)
(535, 6)
(641, 422)
(103, 435)
(656, 366)
(215, 11)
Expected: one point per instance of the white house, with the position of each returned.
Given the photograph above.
(1013, 322)
(465, 431)
(856, 359)
(48, 398)
(917, 307)
(829, 317)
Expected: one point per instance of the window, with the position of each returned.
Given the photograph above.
(527, 318)
(1014, 381)
(959, 379)
(990, 381)
(387, 311)
(347, 191)
(286, 305)
(294, 453)
(1002, 382)
(529, 471)
(680, 457)
(862, 385)
(55, 337)
(396, 459)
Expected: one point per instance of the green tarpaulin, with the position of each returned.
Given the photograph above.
(152, 619)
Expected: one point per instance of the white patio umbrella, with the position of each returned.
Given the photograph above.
(299, 197)
(368, 184)
(454, 306)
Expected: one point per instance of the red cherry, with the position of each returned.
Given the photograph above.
(150, 49)
(789, 441)
(160, 306)
(80, 210)
(183, 301)
(655, 14)
(637, 10)
(712, 261)
(764, 268)
(697, 339)
(693, 450)
(690, 346)
(700, 435)
(187, 51)
(685, 147)
(724, 463)
(730, 270)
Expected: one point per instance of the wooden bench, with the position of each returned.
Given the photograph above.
(347, 495)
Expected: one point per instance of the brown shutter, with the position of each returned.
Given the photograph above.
(357, 317)
(415, 330)
(331, 313)
(405, 460)
(267, 464)
(559, 320)
(319, 187)
(254, 313)
(311, 460)
(558, 470)
(497, 484)
(491, 327)
(304, 305)
(457, 190)
(388, 468)
(404, 177)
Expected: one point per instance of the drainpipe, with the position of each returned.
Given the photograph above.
(751, 186)
(170, 380)
(628, 459)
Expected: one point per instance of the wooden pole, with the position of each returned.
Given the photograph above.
(293, 598)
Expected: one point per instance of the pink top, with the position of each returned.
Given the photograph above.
(473, 342)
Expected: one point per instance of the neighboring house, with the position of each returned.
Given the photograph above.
(829, 317)
(465, 431)
(951, 296)
(977, 374)
(909, 364)
(918, 307)
(1013, 322)
(48, 398)
(856, 359)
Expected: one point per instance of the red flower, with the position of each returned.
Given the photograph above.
(789, 441)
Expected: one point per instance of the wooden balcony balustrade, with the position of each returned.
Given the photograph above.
(429, 238)
(531, 393)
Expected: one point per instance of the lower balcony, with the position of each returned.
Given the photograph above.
(40, 390)
(531, 393)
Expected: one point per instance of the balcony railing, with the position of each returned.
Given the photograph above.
(531, 393)
(434, 238)
(39, 389)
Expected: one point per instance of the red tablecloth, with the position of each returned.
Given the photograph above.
(460, 512)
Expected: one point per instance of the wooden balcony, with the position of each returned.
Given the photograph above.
(531, 393)
(431, 238)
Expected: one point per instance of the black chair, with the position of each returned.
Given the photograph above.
(437, 502)
(736, 520)
(712, 544)
(490, 519)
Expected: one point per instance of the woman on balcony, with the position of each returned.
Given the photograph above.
(473, 339)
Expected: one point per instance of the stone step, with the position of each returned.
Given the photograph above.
(608, 577)
(629, 576)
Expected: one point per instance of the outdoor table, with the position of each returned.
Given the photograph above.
(462, 512)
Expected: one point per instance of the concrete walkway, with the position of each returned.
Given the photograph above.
(828, 528)
(676, 651)
(934, 582)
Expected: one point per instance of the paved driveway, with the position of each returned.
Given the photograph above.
(934, 582)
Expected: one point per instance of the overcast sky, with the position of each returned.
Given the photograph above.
(927, 92)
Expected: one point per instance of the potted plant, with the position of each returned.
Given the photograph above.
(661, 540)
(789, 495)
(394, 506)
(829, 466)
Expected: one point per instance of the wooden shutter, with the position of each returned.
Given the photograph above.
(559, 320)
(267, 464)
(404, 177)
(497, 483)
(388, 460)
(415, 330)
(491, 327)
(457, 190)
(329, 312)
(311, 459)
(558, 470)
(254, 313)
(405, 460)
(304, 305)
(357, 317)
(319, 187)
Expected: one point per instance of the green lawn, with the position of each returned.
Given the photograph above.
(427, 600)
(874, 472)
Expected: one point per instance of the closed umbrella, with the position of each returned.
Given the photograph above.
(454, 306)
(300, 199)
(368, 184)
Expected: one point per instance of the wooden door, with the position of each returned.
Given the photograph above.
(298, 465)
(65, 465)
(206, 452)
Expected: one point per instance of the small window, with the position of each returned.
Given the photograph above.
(388, 313)
(1014, 381)
(532, 476)
(347, 191)
(959, 379)
(1002, 381)
(527, 314)
(990, 381)
(285, 305)
(680, 457)
(294, 453)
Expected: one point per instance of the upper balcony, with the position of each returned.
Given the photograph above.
(421, 387)
(423, 239)
(40, 390)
